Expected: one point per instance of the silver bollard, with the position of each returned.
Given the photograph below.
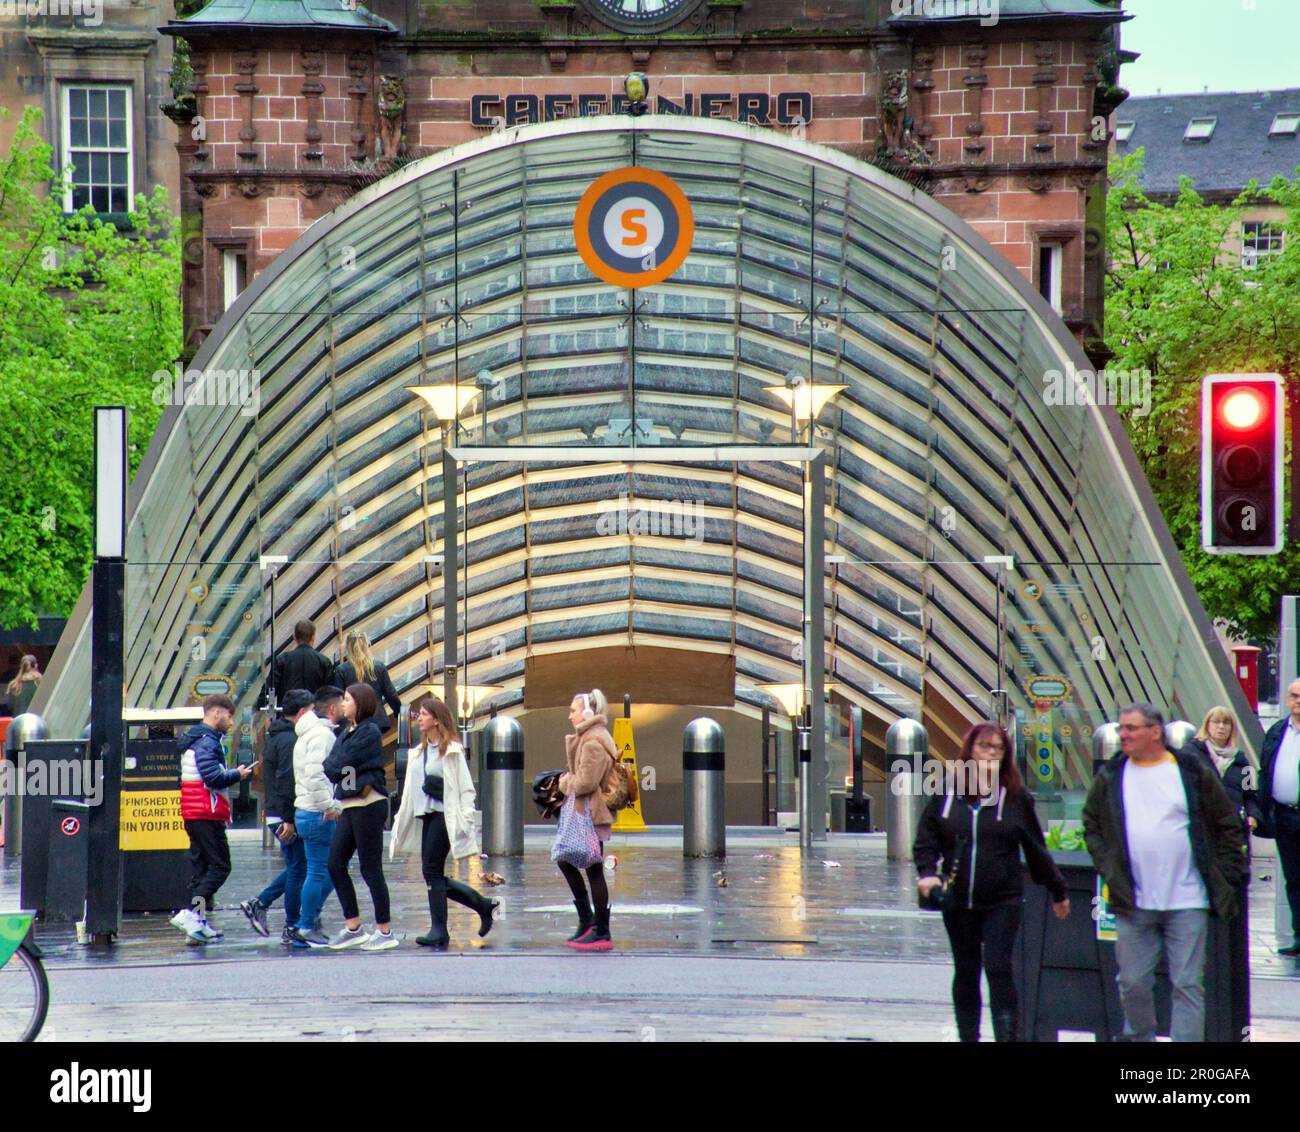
(906, 747)
(24, 728)
(1178, 733)
(503, 787)
(704, 826)
(1105, 744)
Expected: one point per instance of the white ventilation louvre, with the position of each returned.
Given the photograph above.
(1200, 129)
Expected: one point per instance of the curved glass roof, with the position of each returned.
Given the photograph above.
(943, 448)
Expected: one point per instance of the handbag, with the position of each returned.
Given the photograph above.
(576, 842)
(546, 793)
(937, 899)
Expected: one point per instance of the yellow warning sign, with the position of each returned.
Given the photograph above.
(151, 819)
(630, 818)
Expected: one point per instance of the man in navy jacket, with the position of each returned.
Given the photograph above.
(1279, 799)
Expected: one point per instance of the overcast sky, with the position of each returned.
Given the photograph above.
(1226, 45)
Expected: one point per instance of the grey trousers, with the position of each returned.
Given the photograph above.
(1140, 936)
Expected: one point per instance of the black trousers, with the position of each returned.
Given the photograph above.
(360, 830)
(435, 846)
(209, 861)
(982, 939)
(595, 877)
(1286, 824)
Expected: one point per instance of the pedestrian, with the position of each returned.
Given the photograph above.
(314, 813)
(356, 767)
(278, 806)
(1216, 742)
(205, 809)
(1279, 802)
(979, 827)
(302, 666)
(1167, 842)
(23, 687)
(591, 757)
(362, 668)
(438, 795)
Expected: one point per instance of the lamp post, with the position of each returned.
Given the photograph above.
(798, 706)
(107, 665)
(447, 402)
(805, 399)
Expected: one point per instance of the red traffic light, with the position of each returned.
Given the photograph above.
(1242, 408)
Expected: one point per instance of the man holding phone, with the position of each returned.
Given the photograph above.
(278, 787)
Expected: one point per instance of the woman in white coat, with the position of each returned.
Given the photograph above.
(438, 801)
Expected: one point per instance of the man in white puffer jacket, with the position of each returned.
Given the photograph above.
(314, 810)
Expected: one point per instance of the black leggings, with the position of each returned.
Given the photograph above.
(982, 938)
(360, 830)
(595, 876)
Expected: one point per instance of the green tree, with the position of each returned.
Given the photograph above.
(1179, 305)
(87, 314)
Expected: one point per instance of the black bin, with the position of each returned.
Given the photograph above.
(155, 847)
(1066, 975)
(69, 843)
(51, 768)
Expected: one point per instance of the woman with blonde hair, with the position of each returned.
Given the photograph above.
(23, 686)
(439, 798)
(1216, 742)
(360, 667)
(591, 758)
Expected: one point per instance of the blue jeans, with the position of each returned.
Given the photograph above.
(1140, 937)
(289, 883)
(316, 835)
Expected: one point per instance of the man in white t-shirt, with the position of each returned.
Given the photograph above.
(1169, 845)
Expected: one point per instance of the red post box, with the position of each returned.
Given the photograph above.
(1245, 659)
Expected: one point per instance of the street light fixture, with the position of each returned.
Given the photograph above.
(636, 86)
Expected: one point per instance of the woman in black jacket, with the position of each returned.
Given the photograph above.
(979, 827)
(360, 667)
(356, 767)
(1216, 743)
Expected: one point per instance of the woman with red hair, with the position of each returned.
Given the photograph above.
(978, 826)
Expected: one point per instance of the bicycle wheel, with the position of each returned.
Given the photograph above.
(24, 997)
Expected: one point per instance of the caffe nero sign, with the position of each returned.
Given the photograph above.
(495, 111)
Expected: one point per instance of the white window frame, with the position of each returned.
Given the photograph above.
(1285, 125)
(1200, 129)
(1251, 254)
(1124, 131)
(230, 288)
(65, 140)
(1056, 268)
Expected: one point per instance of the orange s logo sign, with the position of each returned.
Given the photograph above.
(634, 228)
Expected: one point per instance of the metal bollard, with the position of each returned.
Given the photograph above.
(806, 822)
(906, 747)
(704, 826)
(503, 787)
(23, 728)
(1178, 733)
(1105, 744)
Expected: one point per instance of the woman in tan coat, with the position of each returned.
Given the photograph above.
(590, 755)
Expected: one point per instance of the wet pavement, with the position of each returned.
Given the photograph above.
(789, 947)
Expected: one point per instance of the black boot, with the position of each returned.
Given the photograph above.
(438, 939)
(598, 938)
(585, 918)
(1005, 1026)
(485, 920)
(968, 1026)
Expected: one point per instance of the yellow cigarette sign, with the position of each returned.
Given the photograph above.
(151, 819)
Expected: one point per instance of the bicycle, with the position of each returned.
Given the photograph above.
(24, 989)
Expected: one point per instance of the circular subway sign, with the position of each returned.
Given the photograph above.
(633, 227)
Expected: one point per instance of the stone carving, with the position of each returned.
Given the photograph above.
(392, 114)
(896, 138)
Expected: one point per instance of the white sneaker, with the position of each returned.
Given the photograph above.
(202, 933)
(186, 919)
(380, 941)
(348, 937)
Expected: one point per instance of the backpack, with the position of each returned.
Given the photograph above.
(620, 788)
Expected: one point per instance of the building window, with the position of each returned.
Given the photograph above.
(1259, 241)
(97, 147)
(1124, 131)
(1284, 125)
(1050, 261)
(1200, 129)
(234, 275)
